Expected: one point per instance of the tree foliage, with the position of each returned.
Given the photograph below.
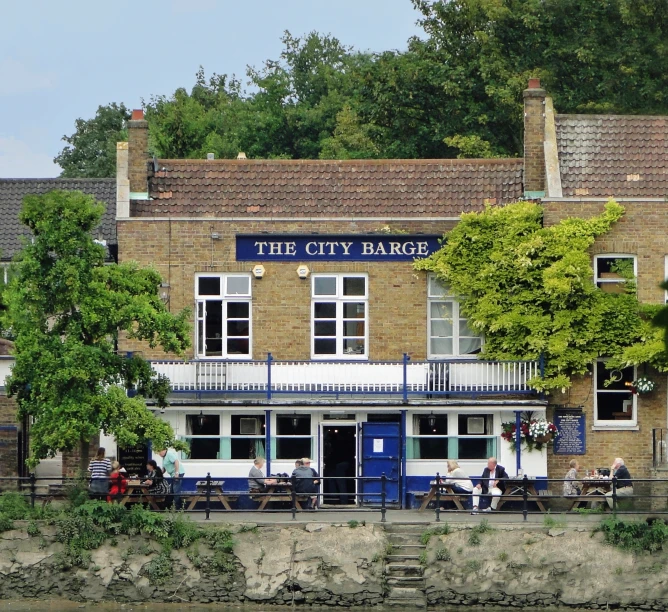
(91, 150)
(66, 309)
(530, 290)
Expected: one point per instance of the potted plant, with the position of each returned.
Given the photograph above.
(643, 385)
(534, 433)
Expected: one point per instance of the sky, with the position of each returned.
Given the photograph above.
(61, 59)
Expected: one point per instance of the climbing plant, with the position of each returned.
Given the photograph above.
(530, 291)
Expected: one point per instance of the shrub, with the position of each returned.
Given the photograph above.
(443, 529)
(14, 506)
(634, 535)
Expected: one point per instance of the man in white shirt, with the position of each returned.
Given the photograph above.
(491, 483)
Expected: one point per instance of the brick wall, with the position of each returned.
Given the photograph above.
(643, 231)
(138, 152)
(8, 439)
(281, 301)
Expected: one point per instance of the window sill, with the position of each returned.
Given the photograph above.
(615, 428)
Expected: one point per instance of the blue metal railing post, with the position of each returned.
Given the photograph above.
(269, 360)
(518, 442)
(405, 388)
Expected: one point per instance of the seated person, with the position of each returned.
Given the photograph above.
(572, 486)
(624, 482)
(155, 479)
(457, 479)
(491, 483)
(305, 482)
(257, 483)
(119, 483)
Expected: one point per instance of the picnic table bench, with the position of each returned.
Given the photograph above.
(216, 493)
(515, 492)
(447, 494)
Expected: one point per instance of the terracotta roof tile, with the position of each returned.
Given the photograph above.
(359, 188)
(613, 155)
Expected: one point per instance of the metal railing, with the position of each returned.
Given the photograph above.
(404, 378)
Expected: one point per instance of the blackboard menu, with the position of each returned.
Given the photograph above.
(134, 459)
(572, 435)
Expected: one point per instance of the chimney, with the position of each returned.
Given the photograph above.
(138, 155)
(534, 136)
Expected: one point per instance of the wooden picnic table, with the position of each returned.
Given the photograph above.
(216, 493)
(447, 494)
(272, 495)
(138, 492)
(515, 492)
(592, 488)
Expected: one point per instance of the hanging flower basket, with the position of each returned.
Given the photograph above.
(534, 433)
(643, 385)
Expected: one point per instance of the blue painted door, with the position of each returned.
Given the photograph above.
(381, 453)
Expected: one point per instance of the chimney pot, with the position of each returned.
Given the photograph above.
(241, 155)
(210, 156)
(534, 83)
(138, 115)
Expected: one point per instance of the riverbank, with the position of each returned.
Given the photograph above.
(344, 564)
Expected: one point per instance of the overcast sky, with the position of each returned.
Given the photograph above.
(61, 59)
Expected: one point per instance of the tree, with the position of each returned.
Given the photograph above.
(67, 309)
(91, 150)
(529, 289)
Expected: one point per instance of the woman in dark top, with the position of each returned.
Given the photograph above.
(155, 480)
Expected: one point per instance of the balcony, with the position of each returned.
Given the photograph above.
(425, 379)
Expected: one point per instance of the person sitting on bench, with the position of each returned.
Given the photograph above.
(257, 483)
(457, 480)
(491, 483)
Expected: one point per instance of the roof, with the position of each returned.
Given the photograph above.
(324, 188)
(613, 155)
(12, 192)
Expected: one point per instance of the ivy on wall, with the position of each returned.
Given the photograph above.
(530, 290)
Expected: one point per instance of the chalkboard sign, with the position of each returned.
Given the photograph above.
(134, 459)
(572, 437)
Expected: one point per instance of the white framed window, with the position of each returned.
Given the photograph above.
(293, 438)
(339, 315)
(613, 271)
(224, 321)
(449, 333)
(615, 405)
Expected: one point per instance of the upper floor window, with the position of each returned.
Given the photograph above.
(613, 272)
(223, 315)
(339, 316)
(615, 400)
(449, 333)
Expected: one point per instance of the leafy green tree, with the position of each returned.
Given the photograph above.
(351, 139)
(91, 150)
(67, 309)
(529, 289)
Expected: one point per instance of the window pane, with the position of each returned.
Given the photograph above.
(238, 346)
(325, 347)
(200, 336)
(237, 328)
(470, 346)
(437, 288)
(238, 310)
(614, 406)
(209, 285)
(424, 448)
(244, 448)
(324, 285)
(353, 328)
(325, 310)
(354, 285)
(439, 426)
(293, 425)
(238, 285)
(353, 347)
(441, 310)
(214, 328)
(620, 378)
(441, 328)
(324, 328)
(247, 424)
(287, 448)
(203, 425)
(474, 448)
(471, 424)
(441, 346)
(353, 310)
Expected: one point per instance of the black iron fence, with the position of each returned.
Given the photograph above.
(519, 496)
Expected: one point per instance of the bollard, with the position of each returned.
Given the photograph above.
(383, 495)
(293, 495)
(525, 496)
(438, 497)
(208, 494)
(33, 492)
(614, 495)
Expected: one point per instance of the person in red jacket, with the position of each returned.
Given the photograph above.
(119, 483)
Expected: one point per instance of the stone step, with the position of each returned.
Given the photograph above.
(405, 593)
(406, 528)
(415, 581)
(404, 537)
(403, 603)
(404, 569)
(402, 557)
(407, 547)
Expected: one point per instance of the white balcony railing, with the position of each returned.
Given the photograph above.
(425, 377)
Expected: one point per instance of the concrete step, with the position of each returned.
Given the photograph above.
(404, 569)
(406, 593)
(400, 538)
(402, 557)
(407, 547)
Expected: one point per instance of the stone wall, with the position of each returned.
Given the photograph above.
(281, 302)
